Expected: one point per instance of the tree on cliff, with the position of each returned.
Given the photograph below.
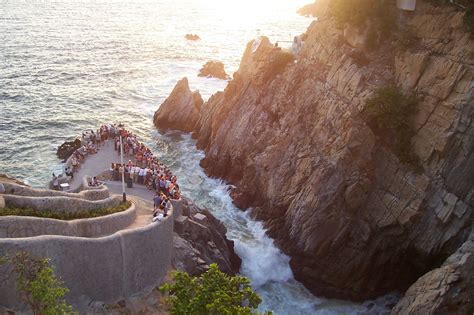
(213, 292)
(38, 286)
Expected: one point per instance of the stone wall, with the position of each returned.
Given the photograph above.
(15, 226)
(87, 192)
(56, 203)
(104, 269)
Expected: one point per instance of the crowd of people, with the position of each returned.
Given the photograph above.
(147, 170)
(90, 143)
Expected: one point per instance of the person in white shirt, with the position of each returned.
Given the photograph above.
(141, 175)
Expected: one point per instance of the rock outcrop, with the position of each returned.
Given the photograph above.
(67, 148)
(445, 290)
(200, 240)
(180, 110)
(356, 221)
(308, 10)
(213, 69)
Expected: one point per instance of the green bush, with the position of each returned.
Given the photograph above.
(38, 286)
(407, 38)
(389, 113)
(469, 20)
(213, 292)
(280, 61)
(361, 13)
(64, 215)
(359, 58)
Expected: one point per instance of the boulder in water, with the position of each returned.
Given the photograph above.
(192, 37)
(67, 148)
(213, 69)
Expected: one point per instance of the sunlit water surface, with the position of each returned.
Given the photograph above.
(69, 66)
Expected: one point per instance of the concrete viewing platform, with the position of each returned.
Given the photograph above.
(102, 259)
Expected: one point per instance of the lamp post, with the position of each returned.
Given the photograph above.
(123, 170)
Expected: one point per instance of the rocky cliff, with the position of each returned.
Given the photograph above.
(200, 240)
(289, 134)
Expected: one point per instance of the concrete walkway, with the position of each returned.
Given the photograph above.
(94, 164)
(100, 162)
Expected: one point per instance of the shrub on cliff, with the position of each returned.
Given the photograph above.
(213, 292)
(280, 60)
(38, 286)
(375, 14)
(469, 20)
(389, 113)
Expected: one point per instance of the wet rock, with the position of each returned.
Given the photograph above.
(213, 69)
(67, 148)
(201, 242)
(180, 110)
(192, 37)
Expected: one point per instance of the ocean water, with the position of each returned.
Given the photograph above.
(67, 66)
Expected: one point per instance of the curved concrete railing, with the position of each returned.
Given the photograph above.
(92, 193)
(177, 207)
(18, 226)
(60, 203)
(105, 269)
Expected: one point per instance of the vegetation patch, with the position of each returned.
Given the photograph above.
(360, 14)
(389, 113)
(29, 212)
(213, 292)
(280, 60)
(359, 58)
(38, 285)
(407, 38)
(468, 19)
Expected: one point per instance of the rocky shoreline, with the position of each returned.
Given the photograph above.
(356, 221)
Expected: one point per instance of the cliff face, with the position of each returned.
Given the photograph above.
(355, 220)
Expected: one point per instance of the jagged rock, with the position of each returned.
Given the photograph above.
(356, 222)
(67, 148)
(308, 10)
(213, 69)
(180, 110)
(192, 37)
(202, 242)
(445, 290)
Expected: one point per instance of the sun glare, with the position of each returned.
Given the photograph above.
(246, 11)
